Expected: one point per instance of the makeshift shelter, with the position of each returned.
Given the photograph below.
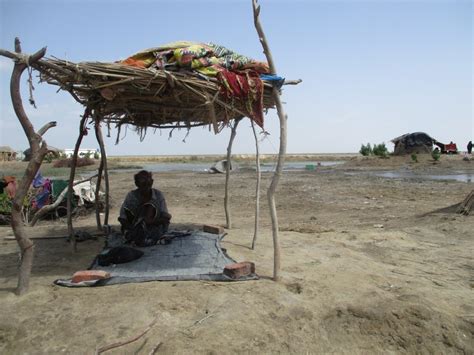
(163, 87)
(418, 142)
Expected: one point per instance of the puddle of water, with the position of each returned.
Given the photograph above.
(459, 176)
(203, 167)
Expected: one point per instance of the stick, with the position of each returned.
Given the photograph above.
(98, 135)
(155, 348)
(281, 154)
(257, 189)
(103, 163)
(227, 174)
(203, 319)
(127, 341)
(70, 228)
(212, 112)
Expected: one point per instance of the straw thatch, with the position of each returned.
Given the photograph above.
(122, 94)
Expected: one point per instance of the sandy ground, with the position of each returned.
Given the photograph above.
(369, 265)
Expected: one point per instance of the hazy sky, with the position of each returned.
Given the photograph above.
(371, 70)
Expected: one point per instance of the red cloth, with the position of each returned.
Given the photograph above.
(247, 87)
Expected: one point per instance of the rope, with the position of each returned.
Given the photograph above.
(30, 85)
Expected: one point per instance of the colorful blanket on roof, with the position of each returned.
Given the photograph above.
(238, 75)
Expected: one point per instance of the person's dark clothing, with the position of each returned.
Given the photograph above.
(134, 213)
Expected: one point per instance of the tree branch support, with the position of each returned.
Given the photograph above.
(233, 133)
(282, 151)
(39, 149)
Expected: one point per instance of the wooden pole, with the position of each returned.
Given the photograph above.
(227, 173)
(103, 163)
(99, 178)
(281, 155)
(97, 188)
(39, 149)
(82, 132)
(257, 189)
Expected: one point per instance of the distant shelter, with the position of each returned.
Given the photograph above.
(418, 142)
(7, 153)
(91, 153)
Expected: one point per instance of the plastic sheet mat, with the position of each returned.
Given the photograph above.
(196, 256)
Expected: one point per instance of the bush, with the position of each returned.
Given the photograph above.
(366, 150)
(435, 154)
(380, 150)
(66, 163)
(414, 157)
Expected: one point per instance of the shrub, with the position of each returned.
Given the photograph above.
(66, 163)
(366, 150)
(414, 157)
(435, 154)
(380, 150)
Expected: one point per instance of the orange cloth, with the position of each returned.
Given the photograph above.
(11, 189)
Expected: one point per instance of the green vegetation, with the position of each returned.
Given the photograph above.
(366, 150)
(414, 158)
(435, 154)
(379, 150)
(5, 204)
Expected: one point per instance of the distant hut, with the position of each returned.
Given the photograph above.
(7, 153)
(418, 142)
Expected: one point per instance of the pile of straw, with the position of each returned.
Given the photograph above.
(121, 94)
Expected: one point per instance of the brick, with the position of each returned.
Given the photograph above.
(212, 229)
(88, 275)
(237, 270)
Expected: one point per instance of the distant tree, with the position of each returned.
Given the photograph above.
(380, 150)
(366, 150)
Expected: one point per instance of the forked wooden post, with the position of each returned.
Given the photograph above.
(99, 179)
(97, 187)
(103, 164)
(82, 132)
(257, 188)
(39, 149)
(281, 155)
(227, 174)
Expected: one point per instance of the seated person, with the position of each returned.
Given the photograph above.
(144, 216)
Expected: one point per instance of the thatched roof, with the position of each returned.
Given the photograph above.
(418, 142)
(6, 149)
(415, 138)
(123, 94)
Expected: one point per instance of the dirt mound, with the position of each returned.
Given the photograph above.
(396, 326)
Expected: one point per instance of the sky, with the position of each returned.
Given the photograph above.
(371, 70)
